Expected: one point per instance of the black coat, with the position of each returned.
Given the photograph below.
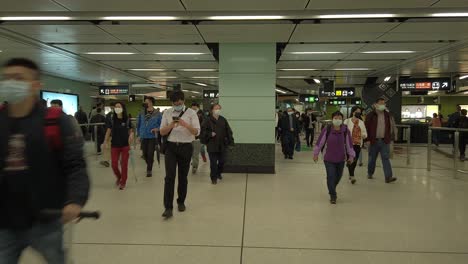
(308, 119)
(223, 131)
(285, 125)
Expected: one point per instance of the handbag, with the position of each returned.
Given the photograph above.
(165, 138)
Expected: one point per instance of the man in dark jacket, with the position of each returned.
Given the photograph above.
(289, 127)
(82, 119)
(36, 175)
(463, 123)
(217, 135)
(379, 134)
(98, 131)
(309, 126)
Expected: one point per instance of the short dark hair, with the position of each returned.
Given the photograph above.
(213, 106)
(177, 96)
(463, 112)
(354, 109)
(196, 104)
(379, 99)
(99, 110)
(153, 101)
(337, 113)
(112, 104)
(57, 102)
(26, 63)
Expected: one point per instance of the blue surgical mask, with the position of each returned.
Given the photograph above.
(13, 91)
(178, 108)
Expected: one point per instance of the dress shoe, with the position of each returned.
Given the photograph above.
(167, 214)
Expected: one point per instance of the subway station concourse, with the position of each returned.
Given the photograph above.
(256, 58)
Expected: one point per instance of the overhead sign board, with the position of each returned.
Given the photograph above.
(210, 93)
(308, 98)
(356, 101)
(426, 84)
(337, 102)
(113, 90)
(339, 92)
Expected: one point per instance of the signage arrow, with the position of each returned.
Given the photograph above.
(351, 93)
(445, 85)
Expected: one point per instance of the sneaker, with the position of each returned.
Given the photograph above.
(392, 179)
(333, 200)
(121, 187)
(182, 207)
(194, 170)
(167, 214)
(370, 177)
(104, 163)
(353, 180)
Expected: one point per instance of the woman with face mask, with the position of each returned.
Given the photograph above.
(122, 135)
(336, 145)
(217, 135)
(358, 131)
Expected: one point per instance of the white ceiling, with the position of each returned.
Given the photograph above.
(60, 47)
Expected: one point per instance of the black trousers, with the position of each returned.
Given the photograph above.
(148, 146)
(217, 160)
(462, 144)
(309, 136)
(289, 142)
(100, 141)
(177, 156)
(352, 166)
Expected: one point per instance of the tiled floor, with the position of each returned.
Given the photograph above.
(282, 218)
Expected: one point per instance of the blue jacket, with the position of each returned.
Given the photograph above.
(144, 126)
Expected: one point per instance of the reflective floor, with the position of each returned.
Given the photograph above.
(282, 218)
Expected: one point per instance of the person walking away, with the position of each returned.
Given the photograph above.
(197, 146)
(180, 125)
(82, 119)
(107, 154)
(217, 135)
(379, 134)
(289, 126)
(42, 167)
(100, 129)
(121, 130)
(435, 122)
(358, 132)
(309, 124)
(463, 123)
(453, 121)
(336, 143)
(148, 129)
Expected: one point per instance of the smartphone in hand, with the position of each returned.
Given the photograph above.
(175, 118)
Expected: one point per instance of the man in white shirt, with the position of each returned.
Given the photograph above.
(180, 124)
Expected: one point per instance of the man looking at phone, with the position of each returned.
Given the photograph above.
(180, 125)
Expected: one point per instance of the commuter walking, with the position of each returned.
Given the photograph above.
(289, 127)
(82, 119)
(148, 124)
(180, 125)
(435, 122)
(358, 132)
(198, 148)
(463, 123)
(107, 153)
(98, 131)
(309, 125)
(336, 144)
(217, 135)
(42, 167)
(379, 131)
(121, 130)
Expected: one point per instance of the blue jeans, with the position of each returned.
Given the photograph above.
(334, 174)
(47, 239)
(384, 150)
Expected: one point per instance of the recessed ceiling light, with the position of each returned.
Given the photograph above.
(139, 18)
(316, 52)
(292, 77)
(189, 91)
(34, 18)
(351, 69)
(163, 77)
(205, 77)
(198, 70)
(450, 15)
(109, 53)
(387, 78)
(146, 69)
(388, 52)
(298, 69)
(179, 53)
(201, 84)
(316, 80)
(463, 77)
(246, 17)
(357, 16)
(281, 91)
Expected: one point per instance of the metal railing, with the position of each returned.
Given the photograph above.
(408, 141)
(456, 144)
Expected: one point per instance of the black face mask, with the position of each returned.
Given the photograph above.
(145, 105)
(358, 115)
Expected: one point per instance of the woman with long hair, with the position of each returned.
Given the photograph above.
(358, 132)
(122, 135)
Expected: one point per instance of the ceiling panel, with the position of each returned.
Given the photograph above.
(366, 4)
(80, 49)
(288, 56)
(155, 33)
(122, 5)
(190, 64)
(206, 5)
(451, 3)
(134, 64)
(340, 32)
(64, 33)
(304, 64)
(29, 5)
(419, 47)
(424, 31)
(246, 33)
(345, 74)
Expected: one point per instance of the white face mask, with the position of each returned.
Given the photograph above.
(217, 112)
(381, 107)
(118, 110)
(337, 122)
(13, 91)
(290, 113)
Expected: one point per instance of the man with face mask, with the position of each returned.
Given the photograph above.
(180, 125)
(289, 127)
(36, 175)
(148, 124)
(379, 134)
